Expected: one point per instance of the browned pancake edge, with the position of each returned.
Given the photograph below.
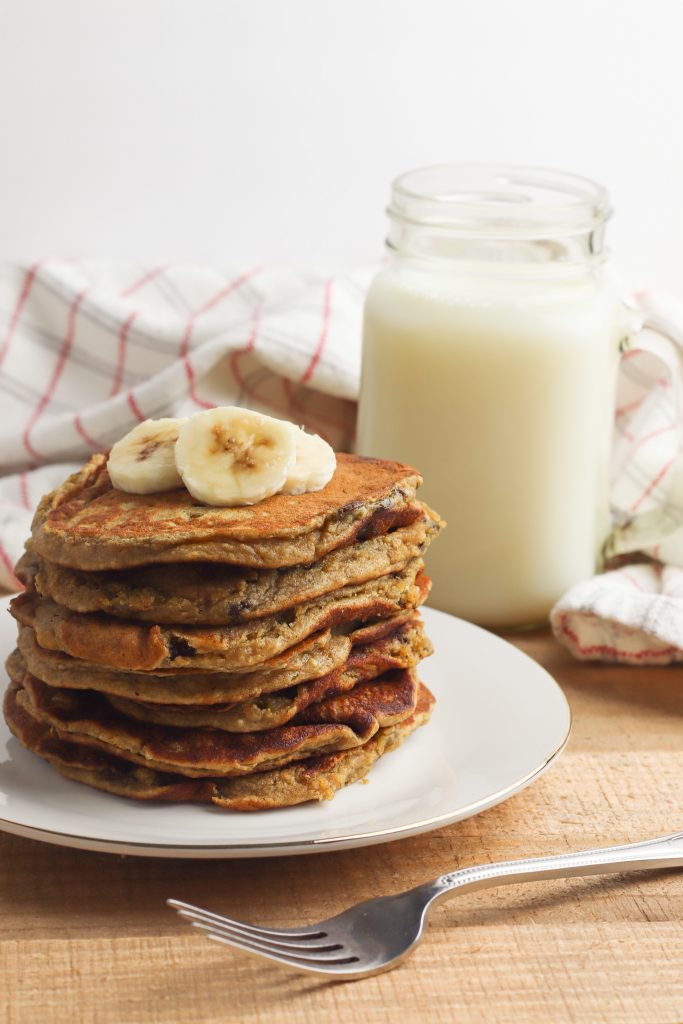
(317, 778)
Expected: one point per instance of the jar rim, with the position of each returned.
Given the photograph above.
(499, 200)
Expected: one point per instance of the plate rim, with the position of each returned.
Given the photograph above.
(323, 844)
(290, 847)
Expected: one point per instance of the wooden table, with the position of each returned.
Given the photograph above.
(86, 937)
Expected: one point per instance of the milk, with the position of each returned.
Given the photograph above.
(499, 387)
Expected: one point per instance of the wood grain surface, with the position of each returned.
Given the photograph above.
(86, 937)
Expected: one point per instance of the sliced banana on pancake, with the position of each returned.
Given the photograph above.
(143, 462)
(226, 456)
(314, 465)
(232, 456)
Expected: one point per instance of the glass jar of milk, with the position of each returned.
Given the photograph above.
(491, 344)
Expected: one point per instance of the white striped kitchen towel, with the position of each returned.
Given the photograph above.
(634, 614)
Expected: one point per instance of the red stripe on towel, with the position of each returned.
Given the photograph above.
(121, 359)
(7, 562)
(315, 358)
(142, 281)
(85, 435)
(56, 374)
(16, 313)
(134, 407)
(192, 391)
(228, 289)
(605, 650)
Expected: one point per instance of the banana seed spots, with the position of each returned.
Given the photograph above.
(148, 449)
(243, 451)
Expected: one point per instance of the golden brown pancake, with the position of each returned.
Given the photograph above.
(216, 594)
(248, 657)
(316, 778)
(405, 647)
(120, 644)
(87, 524)
(314, 657)
(337, 723)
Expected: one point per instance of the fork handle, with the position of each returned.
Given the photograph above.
(664, 852)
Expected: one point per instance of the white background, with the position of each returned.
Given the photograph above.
(242, 131)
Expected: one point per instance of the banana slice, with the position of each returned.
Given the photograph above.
(233, 456)
(314, 465)
(143, 462)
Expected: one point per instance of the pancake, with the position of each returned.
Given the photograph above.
(338, 723)
(314, 657)
(213, 594)
(316, 778)
(87, 524)
(405, 649)
(120, 644)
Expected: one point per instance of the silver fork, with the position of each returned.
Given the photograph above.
(376, 935)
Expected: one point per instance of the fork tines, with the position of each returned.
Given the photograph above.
(304, 948)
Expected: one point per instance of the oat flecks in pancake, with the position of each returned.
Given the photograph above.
(310, 659)
(339, 723)
(246, 657)
(313, 657)
(215, 594)
(316, 778)
(134, 646)
(403, 649)
(86, 524)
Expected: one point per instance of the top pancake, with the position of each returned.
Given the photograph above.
(88, 524)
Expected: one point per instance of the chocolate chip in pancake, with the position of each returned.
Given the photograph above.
(404, 648)
(121, 644)
(217, 594)
(314, 657)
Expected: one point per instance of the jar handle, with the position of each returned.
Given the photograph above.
(637, 531)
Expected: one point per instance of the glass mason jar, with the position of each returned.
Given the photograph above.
(490, 350)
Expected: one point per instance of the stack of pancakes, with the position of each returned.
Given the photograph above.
(249, 657)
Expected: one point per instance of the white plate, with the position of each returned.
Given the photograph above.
(499, 722)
